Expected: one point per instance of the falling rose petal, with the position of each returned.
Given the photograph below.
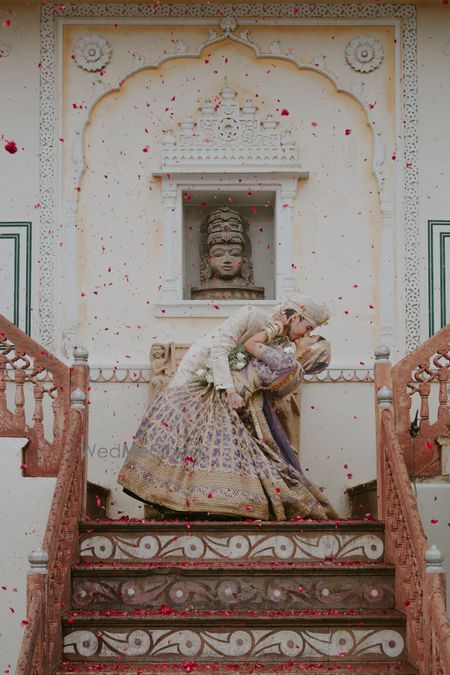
(248, 507)
(349, 476)
(348, 132)
(428, 445)
(6, 23)
(285, 112)
(11, 609)
(24, 623)
(434, 521)
(313, 124)
(145, 148)
(11, 147)
(407, 603)
(278, 490)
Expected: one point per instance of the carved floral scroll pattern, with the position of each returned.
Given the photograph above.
(251, 644)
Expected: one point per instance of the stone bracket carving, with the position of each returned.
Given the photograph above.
(229, 133)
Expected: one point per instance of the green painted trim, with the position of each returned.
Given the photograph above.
(442, 276)
(16, 286)
(28, 271)
(430, 280)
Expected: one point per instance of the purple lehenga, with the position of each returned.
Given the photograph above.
(193, 453)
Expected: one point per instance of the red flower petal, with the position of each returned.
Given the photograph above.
(11, 147)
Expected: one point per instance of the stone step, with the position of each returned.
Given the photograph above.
(166, 541)
(170, 636)
(367, 668)
(233, 585)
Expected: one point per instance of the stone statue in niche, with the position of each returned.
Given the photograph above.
(161, 368)
(226, 270)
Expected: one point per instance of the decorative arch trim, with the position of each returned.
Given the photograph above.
(292, 12)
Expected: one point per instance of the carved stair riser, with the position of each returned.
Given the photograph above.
(234, 589)
(289, 542)
(201, 640)
(399, 668)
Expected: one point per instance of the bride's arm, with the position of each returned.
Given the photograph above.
(277, 359)
(257, 342)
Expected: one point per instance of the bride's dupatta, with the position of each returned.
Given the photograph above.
(264, 419)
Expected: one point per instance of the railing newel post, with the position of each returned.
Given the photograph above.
(79, 400)
(434, 578)
(383, 399)
(37, 584)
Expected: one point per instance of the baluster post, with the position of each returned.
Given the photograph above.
(38, 414)
(383, 383)
(434, 581)
(37, 583)
(19, 412)
(79, 388)
(424, 391)
(443, 394)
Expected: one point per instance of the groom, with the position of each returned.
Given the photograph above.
(300, 315)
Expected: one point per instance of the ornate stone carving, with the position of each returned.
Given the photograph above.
(364, 53)
(275, 47)
(292, 12)
(229, 133)
(141, 374)
(236, 589)
(228, 24)
(332, 643)
(162, 367)
(180, 47)
(266, 545)
(92, 52)
(226, 270)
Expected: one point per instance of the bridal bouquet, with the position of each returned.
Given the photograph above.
(238, 358)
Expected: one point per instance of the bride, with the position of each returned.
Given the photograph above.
(193, 453)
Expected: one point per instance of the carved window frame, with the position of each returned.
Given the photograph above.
(171, 302)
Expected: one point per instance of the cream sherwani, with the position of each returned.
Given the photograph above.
(212, 350)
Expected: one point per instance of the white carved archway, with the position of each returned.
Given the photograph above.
(407, 16)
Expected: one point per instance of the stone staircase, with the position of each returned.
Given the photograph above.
(233, 597)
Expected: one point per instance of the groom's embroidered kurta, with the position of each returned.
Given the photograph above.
(212, 350)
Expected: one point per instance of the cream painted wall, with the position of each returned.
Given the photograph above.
(337, 222)
(25, 503)
(336, 215)
(433, 63)
(19, 122)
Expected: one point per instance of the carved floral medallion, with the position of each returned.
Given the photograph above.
(92, 52)
(364, 53)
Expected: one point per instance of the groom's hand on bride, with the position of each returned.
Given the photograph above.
(235, 400)
(282, 318)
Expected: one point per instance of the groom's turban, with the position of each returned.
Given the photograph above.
(316, 313)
